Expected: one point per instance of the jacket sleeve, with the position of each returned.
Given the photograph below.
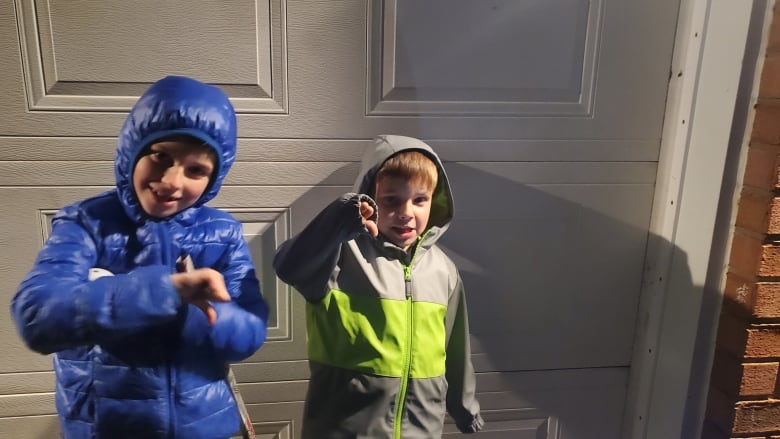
(56, 306)
(462, 403)
(307, 260)
(241, 324)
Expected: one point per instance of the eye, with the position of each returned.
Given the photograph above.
(389, 201)
(199, 171)
(421, 200)
(159, 157)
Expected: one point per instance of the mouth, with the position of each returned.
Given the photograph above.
(404, 232)
(165, 199)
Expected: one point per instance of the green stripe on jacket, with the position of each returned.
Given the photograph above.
(369, 335)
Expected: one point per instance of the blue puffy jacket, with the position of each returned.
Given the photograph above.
(131, 360)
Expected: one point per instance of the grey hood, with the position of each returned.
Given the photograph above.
(387, 145)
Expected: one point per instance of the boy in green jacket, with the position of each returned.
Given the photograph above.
(388, 336)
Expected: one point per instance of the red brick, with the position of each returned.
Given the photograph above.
(732, 334)
(753, 212)
(773, 226)
(774, 32)
(758, 379)
(753, 417)
(726, 374)
(763, 342)
(719, 414)
(765, 126)
(710, 431)
(746, 253)
(751, 300)
(761, 166)
(740, 294)
(770, 77)
(769, 265)
(766, 302)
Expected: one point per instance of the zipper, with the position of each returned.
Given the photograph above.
(399, 410)
(165, 247)
(171, 411)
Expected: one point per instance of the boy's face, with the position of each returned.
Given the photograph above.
(172, 176)
(404, 209)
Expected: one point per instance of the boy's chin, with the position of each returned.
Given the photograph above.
(403, 244)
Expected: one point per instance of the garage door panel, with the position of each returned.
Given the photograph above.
(555, 265)
(348, 150)
(418, 50)
(317, 58)
(89, 55)
(38, 427)
(551, 405)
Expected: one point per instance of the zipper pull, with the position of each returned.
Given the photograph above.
(184, 264)
(408, 280)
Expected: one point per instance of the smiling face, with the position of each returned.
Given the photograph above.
(404, 209)
(172, 176)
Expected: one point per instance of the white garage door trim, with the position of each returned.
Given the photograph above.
(709, 50)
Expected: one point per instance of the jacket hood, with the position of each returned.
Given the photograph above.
(386, 145)
(175, 106)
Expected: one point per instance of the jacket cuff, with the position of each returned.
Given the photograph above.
(473, 425)
(354, 199)
(358, 198)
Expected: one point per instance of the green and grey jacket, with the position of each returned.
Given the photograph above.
(387, 330)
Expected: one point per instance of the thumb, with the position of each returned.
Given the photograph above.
(218, 292)
(208, 310)
(366, 210)
(372, 227)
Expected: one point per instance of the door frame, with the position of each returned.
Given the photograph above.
(668, 378)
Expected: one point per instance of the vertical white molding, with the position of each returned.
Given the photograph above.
(706, 66)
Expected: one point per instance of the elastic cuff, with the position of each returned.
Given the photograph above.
(476, 424)
(369, 200)
(354, 199)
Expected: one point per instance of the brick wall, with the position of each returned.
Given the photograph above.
(744, 395)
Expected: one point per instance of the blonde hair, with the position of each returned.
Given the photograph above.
(410, 165)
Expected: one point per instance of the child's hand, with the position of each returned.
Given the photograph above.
(366, 212)
(200, 286)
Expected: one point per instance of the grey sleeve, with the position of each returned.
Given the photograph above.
(307, 260)
(462, 403)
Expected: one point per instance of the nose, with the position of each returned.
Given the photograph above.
(405, 211)
(173, 177)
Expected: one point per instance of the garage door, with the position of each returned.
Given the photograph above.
(547, 114)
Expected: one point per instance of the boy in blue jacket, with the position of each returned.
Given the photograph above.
(140, 343)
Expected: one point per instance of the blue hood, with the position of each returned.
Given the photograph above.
(175, 106)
